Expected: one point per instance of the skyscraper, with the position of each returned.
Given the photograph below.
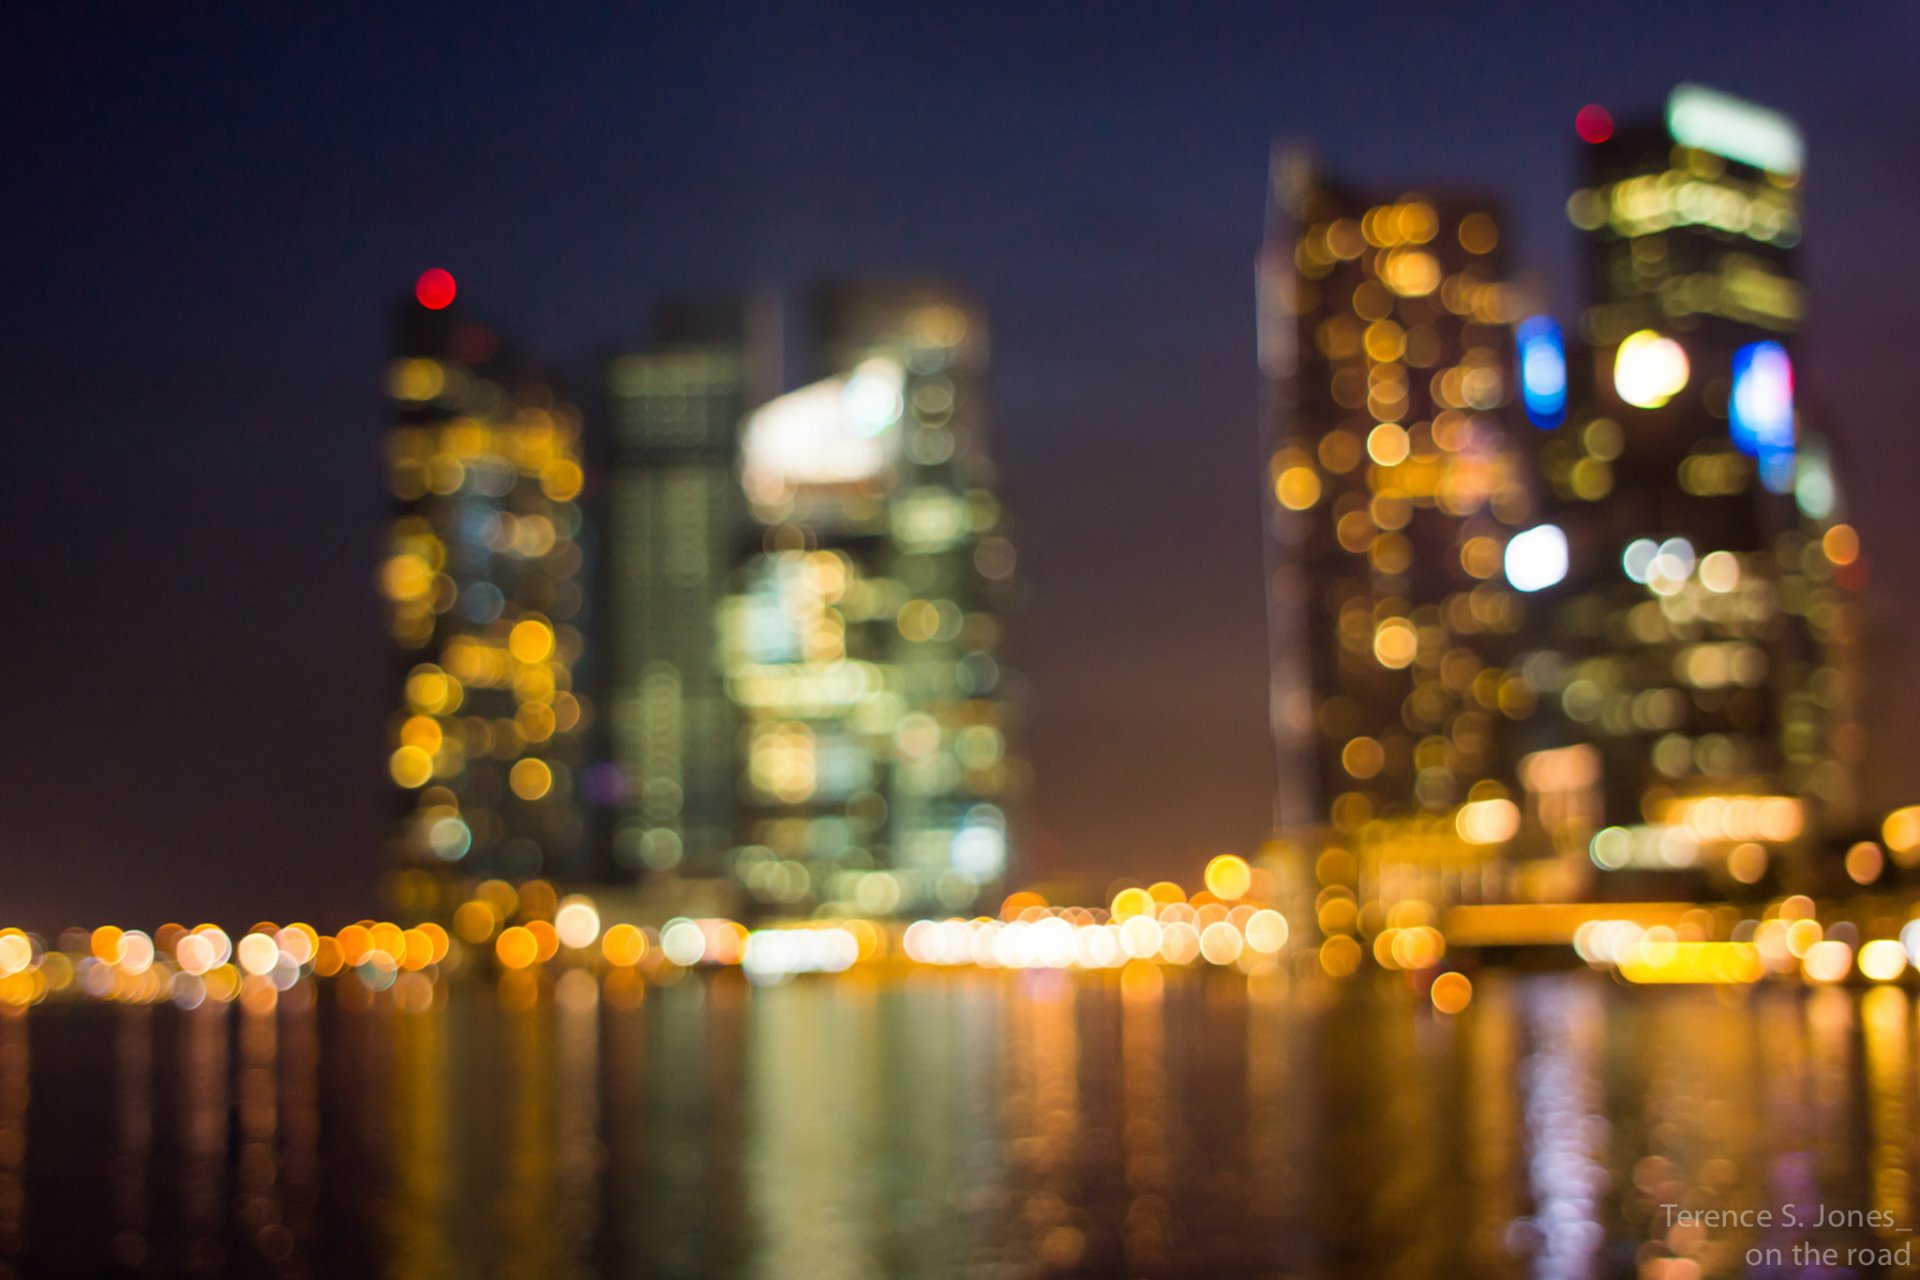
(1395, 485)
(864, 647)
(675, 526)
(806, 596)
(1693, 642)
(485, 604)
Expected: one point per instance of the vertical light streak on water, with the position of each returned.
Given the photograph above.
(1050, 1226)
(257, 1206)
(1273, 1208)
(1702, 1093)
(1885, 1014)
(983, 1037)
(1421, 1197)
(1833, 1074)
(1783, 1120)
(132, 1132)
(674, 1204)
(577, 1167)
(1216, 1195)
(421, 1161)
(523, 1208)
(1494, 1126)
(1147, 1226)
(203, 1136)
(813, 1134)
(1281, 1124)
(300, 1122)
(624, 1126)
(1564, 1103)
(14, 1097)
(950, 1121)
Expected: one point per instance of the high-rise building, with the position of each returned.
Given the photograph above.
(864, 646)
(806, 596)
(1397, 487)
(485, 604)
(1695, 703)
(675, 528)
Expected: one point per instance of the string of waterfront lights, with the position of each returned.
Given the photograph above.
(515, 932)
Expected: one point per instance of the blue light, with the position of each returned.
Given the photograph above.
(1760, 411)
(1543, 371)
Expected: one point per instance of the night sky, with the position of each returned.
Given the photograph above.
(207, 216)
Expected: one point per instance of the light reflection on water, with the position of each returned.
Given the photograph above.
(944, 1124)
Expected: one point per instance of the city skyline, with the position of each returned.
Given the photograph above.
(900, 641)
(1208, 565)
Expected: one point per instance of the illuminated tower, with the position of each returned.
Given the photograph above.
(1397, 496)
(1693, 639)
(675, 528)
(483, 579)
(862, 646)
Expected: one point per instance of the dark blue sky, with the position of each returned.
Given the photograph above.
(206, 216)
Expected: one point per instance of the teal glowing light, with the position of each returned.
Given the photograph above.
(1708, 120)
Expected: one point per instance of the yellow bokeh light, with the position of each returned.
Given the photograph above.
(562, 479)
(1841, 544)
(1395, 643)
(1297, 488)
(429, 689)
(516, 947)
(1882, 960)
(1451, 992)
(388, 939)
(1747, 862)
(1901, 831)
(1865, 862)
(422, 732)
(1387, 444)
(623, 945)
(437, 938)
(1363, 757)
(530, 779)
(474, 922)
(1478, 233)
(416, 379)
(1229, 876)
(416, 951)
(531, 640)
(107, 943)
(410, 766)
(1339, 956)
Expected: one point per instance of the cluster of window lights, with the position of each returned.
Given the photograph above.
(482, 577)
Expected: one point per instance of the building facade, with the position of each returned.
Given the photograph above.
(674, 522)
(485, 605)
(806, 605)
(1697, 647)
(1396, 479)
